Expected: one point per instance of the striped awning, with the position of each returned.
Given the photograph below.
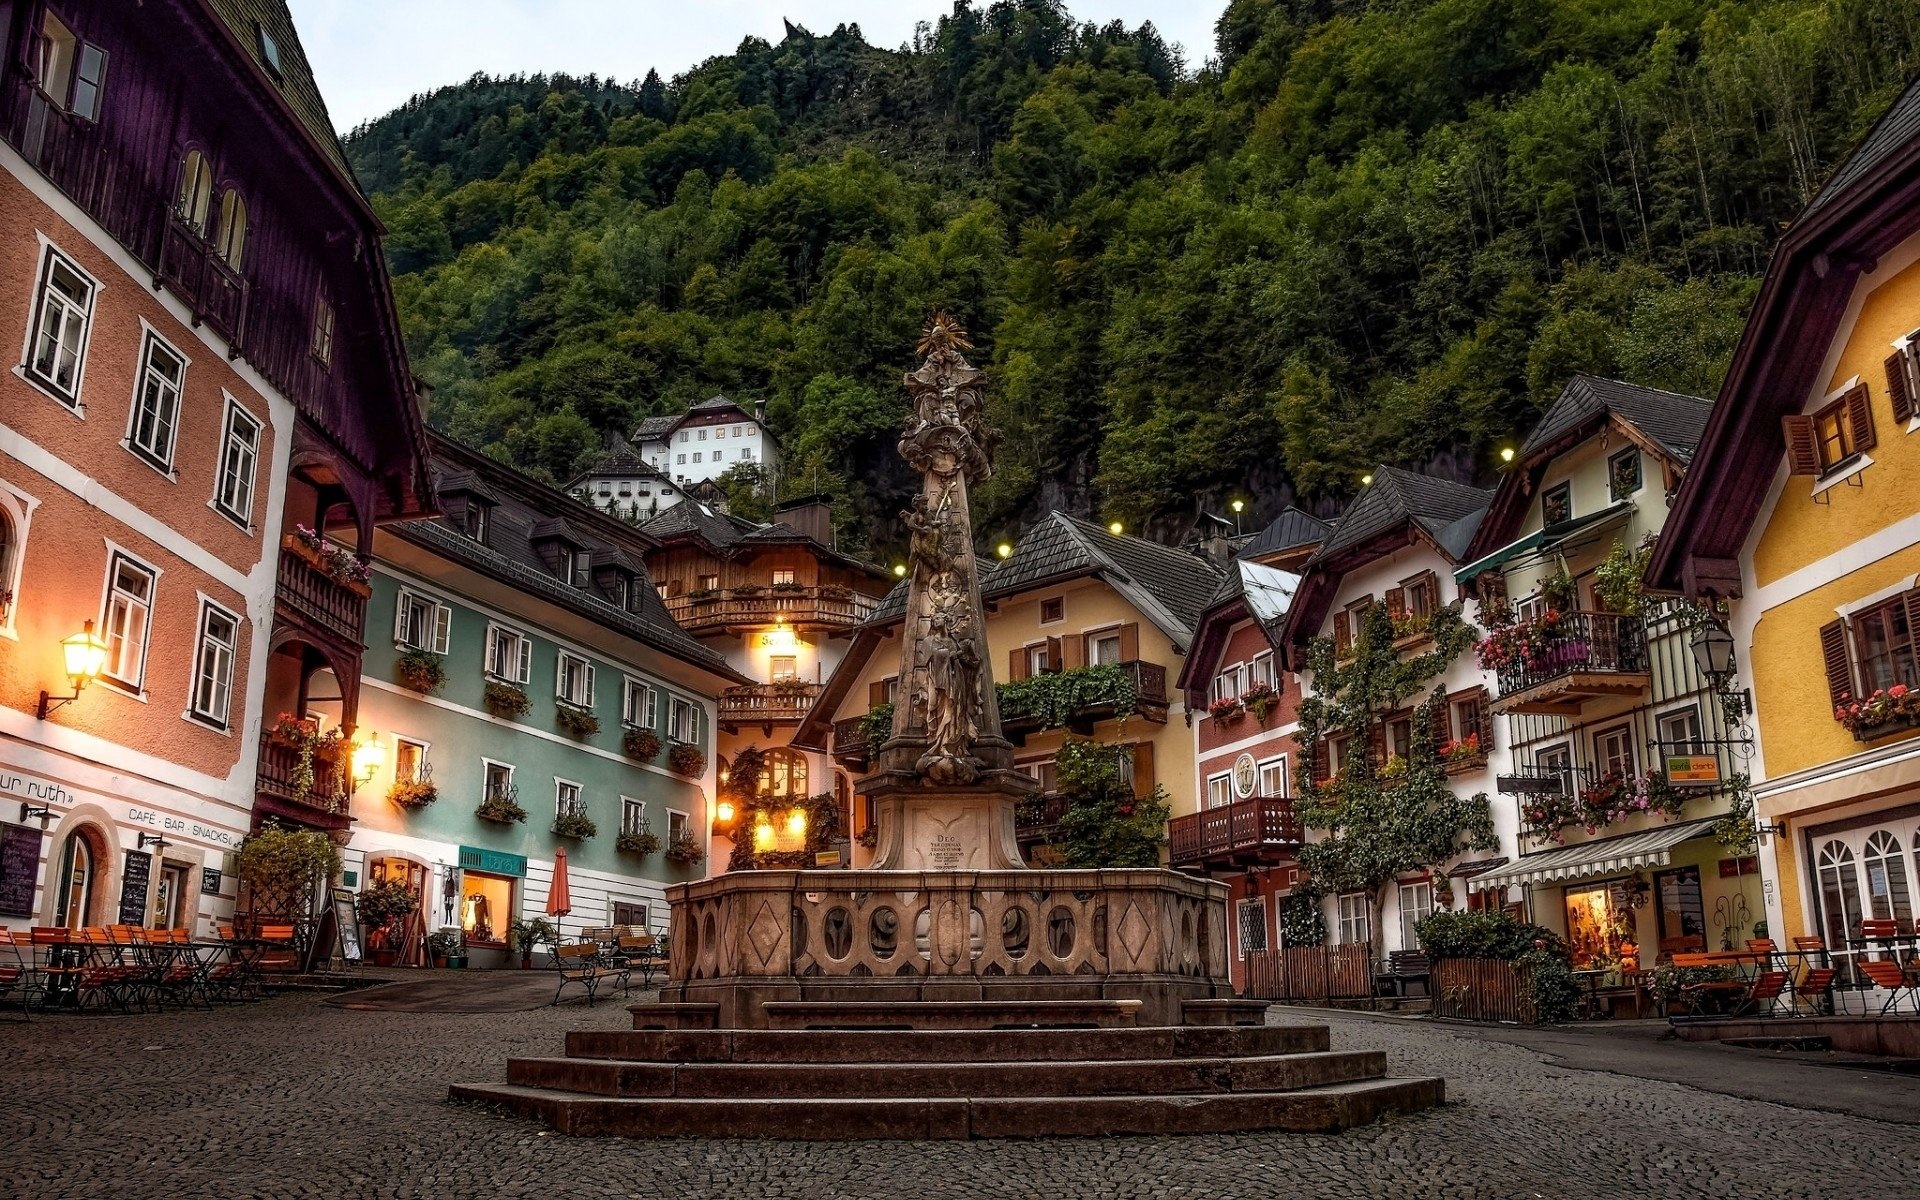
(1606, 856)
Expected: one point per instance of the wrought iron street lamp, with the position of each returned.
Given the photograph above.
(86, 657)
(1712, 649)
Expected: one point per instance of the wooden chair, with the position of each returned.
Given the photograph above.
(1898, 981)
(579, 966)
(638, 952)
(1761, 994)
(1816, 989)
(16, 971)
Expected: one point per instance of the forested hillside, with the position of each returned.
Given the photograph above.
(1358, 232)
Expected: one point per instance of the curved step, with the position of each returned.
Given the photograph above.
(944, 1045)
(1323, 1109)
(1160, 1077)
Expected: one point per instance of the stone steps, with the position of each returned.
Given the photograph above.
(1326, 1108)
(945, 1045)
(945, 1080)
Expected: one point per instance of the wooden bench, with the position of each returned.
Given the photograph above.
(1404, 967)
(640, 953)
(580, 966)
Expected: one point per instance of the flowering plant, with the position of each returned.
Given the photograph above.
(685, 850)
(304, 736)
(334, 561)
(1615, 798)
(1259, 700)
(1885, 706)
(1226, 709)
(1547, 814)
(1462, 750)
(1515, 643)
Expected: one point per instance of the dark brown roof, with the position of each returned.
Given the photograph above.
(1447, 511)
(1671, 419)
(246, 18)
(1896, 127)
(1290, 530)
(618, 460)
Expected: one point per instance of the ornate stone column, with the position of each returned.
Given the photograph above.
(944, 787)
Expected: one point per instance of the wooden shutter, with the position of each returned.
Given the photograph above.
(1317, 759)
(1899, 389)
(1075, 649)
(876, 694)
(589, 700)
(1860, 417)
(1056, 656)
(1377, 742)
(1397, 603)
(1130, 642)
(1142, 768)
(1443, 723)
(1017, 663)
(525, 648)
(1483, 720)
(1803, 445)
(1342, 633)
(1833, 649)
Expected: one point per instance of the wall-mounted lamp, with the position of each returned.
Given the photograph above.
(797, 822)
(1506, 454)
(724, 816)
(1004, 550)
(781, 640)
(1712, 648)
(151, 839)
(368, 757)
(30, 811)
(900, 570)
(1116, 528)
(86, 657)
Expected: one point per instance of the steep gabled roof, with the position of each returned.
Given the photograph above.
(693, 519)
(1894, 131)
(1671, 420)
(1290, 530)
(1396, 498)
(653, 428)
(1250, 591)
(1168, 585)
(294, 76)
(618, 460)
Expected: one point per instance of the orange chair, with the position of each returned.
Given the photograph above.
(1816, 988)
(16, 972)
(1898, 980)
(1761, 994)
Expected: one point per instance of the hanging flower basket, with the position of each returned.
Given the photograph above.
(638, 842)
(1226, 710)
(685, 851)
(505, 700)
(686, 759)
(1260, 700)
(421, 670)
(641, 744)
(413, 794)
(335, 562)
(575, 721)
(574, 825)
(501, 810)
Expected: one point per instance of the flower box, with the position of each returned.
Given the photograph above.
(336, 562)
(575, 721)
(501, 810)
(1886, 712)
(413, 794)
(685, 851)
(685, 759)
(641, 744)
(421, 671)
(638, 842)
(575, 825)
(505, 700)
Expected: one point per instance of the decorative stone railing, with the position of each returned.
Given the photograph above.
(788, 925)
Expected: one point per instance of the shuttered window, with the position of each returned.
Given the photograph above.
(1872, 650)
(1832, 437)
(1903, 379)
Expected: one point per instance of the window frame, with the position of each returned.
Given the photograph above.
(1409, 939)
(222, 720)
(578, 802)
(1054, 605)
(497, 631)
(1223, 781)
(1261, 670)
(630, 807)
(136, 685)
(1696, 744)
(676, 706)
(683, 819)
(16, 510)
(143, 380)
(648, 708)
(1639, 472)
(324, 329)
(193, 199)
(1561, 492)
(233, 232)
(560, 690)
(50, 257)
(440, 635)
(1603, 760)
(230, 424)
(1360, 918)
(1279, 763)
(422, 768)
(1899, 647)
(784, 577)
(487, 768)
(1256, 904)
(1835, 413)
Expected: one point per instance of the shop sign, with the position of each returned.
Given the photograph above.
(19, 869)
(209, 881)
(1695, 770)
(493, 862)
(1246, 776)
(1733, 868)
(133, 887)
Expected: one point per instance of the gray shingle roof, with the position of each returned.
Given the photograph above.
(1897, 127)
(1394, 498)
(696, 519)
(618, 460)
(1673, 420)
(1288, 531)
(655, 427)
(245, 18)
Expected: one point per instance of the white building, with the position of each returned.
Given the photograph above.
(624, 484)
(707, 441)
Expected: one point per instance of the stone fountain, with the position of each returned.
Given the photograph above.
(948, 990)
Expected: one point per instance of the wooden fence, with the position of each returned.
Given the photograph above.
(1302, 973)
(1483, 989)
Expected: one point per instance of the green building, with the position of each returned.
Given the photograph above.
(524, 691)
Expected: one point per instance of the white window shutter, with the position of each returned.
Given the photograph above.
(589, 699)
(400, 616)
(493, 651)
(525, 672)
(442, 627)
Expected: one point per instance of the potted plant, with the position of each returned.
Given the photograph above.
(1260, 700)
(835, 591)
(413, 794)
(575, 825)
(382, 906)
(448, 947)
(505, 699)
(789, 588)
(638, 842)
(686, 759)
(422, 671)
(526, 936)
(685, 850)
(575, 721)
(746, 590)
(335, 562)
(501, 807)
(641, 744)
(1226, 710)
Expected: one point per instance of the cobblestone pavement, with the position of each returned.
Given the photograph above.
(290, 1098)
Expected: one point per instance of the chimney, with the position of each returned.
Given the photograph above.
(760, 410)
(1216, 548)
(810, 515)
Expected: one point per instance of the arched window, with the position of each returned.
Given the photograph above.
(196, 192)
(1839, 895)
(785, 774)
(1886, 870)
(9, 540)
(232, 242)
(76, 881)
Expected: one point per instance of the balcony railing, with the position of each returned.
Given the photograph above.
(850, 743)
(192, 270)
(801, 606)
(329, 604)
(1022, 710)
(767, 703)
(1252, 830)
(1585, 654)
(281, 775)
(1037, 819)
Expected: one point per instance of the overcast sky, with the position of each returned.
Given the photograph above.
(370, 55)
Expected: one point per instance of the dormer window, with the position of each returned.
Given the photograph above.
(576, 566)
(269, 50)
(473, 522)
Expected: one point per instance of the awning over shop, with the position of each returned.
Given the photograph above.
(1567, 534)
(1627, 852)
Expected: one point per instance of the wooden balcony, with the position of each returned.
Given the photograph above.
(1149, 681)
(315, 599)
(803, 607)
(1037, 820)
(1590, 655)
(766, 704)
(191, 270)
(279, 777)
(1259, 831)
(850, 747)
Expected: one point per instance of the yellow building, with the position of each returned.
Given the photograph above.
(1071, 598)
(1800, 519)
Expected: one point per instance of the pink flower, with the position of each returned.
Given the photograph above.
(1897, 691)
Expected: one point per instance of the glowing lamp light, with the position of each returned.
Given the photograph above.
(797, 822)
(84, 656)
(1366, 480)
(368, 757)
(1003, 550)
(723, 812)
(1239, 506)
(781, 640)
(900, 570)
(763, 836)
(1115, 528)
(1506, 454)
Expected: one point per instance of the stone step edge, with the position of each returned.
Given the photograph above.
(1008, 1045)
(1330, 1108)
(1009, 1080)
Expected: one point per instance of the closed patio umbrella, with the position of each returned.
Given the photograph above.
(559, 901)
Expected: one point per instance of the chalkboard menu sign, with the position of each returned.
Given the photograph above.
(19, 868)
(133, 887)
(347, 923)
(209, 881)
